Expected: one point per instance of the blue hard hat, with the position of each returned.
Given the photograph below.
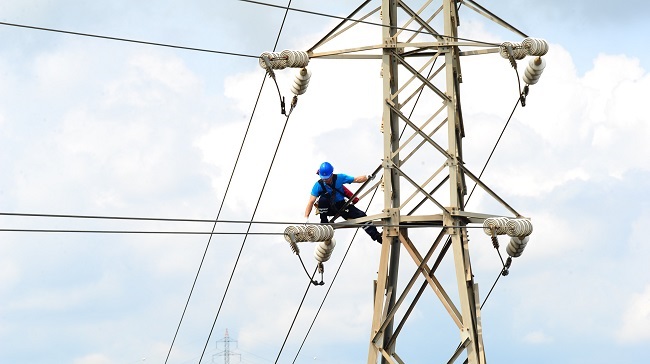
(325, 170)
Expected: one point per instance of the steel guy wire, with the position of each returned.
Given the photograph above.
(258, 199)
(126, 40)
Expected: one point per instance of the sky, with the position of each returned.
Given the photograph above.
(98, 127)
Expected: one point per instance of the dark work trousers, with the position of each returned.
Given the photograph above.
(350, 212)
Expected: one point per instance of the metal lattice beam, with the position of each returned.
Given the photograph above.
(430, 41)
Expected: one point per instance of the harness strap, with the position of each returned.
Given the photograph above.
(333, 187)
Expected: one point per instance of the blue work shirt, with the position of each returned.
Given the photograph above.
(340, 180)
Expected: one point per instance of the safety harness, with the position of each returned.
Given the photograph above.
(333, 188)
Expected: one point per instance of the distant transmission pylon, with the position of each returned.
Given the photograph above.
(226, 353)
(427, 38)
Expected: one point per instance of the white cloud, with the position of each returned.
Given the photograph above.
(537, 337)
(93, 359)
(61, 70)
(61, 298)
(636, 319)
(144, 136)
(573, 128)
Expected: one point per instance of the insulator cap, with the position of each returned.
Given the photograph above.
(516, 246)
(518, 52)
(301, 82)
(309, 233)
(528, 47)
(495, 225)
(534, 70)
(284, 59)
(535, 46)
(324, 249)
(295, 59)
(503, 225)
(519, 227)
(275, 60)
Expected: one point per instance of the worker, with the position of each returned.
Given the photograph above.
(329, 191)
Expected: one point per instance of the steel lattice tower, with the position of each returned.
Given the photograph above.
(226, 353)
(413, 41)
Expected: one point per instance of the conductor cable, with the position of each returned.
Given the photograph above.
(332, 283)
(295, 317)
(492, 288)
(247, 231)
(311, 279)
(256, 206)
(126, 40)
(493, 149)
(207, 246)
(504, 269)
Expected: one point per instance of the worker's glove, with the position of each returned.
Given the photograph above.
(349, 194)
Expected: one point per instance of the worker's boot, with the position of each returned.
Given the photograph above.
(377, 237)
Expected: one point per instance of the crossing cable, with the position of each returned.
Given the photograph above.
(126, 40)
(246, 235)
(207, 246)
(493, 285)
(367, 22)
(215, 222)
(475, 184)
(168, 232)
(493, 149)
(219, 213)
(296, 315)
(284, 223)
(333, 280)
(258, 199)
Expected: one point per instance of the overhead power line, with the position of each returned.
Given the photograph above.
(137, 232)
(340, 225)
(494, 148)
(295, 316)
(127, 40)
(137, 218)
(223, 298)
(363, 21)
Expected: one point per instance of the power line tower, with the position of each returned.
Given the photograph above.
(413, 41)
(226, 353)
